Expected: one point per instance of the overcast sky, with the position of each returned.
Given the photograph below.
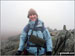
(54, 14)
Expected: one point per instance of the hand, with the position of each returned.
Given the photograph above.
(18, 53)
(49, 53)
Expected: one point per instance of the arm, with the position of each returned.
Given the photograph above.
(22, 40)
(21, 44)
(48, 40)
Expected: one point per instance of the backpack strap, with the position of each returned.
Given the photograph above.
(43, 27)
(34, 26)
(40, 28)
(26, 29)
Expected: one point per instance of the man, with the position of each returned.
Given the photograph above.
(39, 31)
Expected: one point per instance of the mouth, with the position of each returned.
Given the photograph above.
(33, 18)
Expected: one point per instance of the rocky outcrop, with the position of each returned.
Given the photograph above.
(9, 47)
(63, 40)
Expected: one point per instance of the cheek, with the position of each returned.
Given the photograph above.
(35, 16)
(30, 17)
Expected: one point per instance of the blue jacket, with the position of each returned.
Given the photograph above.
(44, 35)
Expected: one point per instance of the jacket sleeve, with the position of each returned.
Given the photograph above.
(23, 39)
(48, 39)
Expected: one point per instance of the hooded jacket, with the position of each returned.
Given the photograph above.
(44, 35)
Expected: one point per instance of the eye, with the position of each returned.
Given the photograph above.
(30, 14)
(34, 15)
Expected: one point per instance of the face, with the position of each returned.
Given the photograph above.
(33, 17)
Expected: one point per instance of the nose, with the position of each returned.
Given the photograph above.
(32, 15)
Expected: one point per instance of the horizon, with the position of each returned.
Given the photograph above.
(54, 14)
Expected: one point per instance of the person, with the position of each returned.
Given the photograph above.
(40, 31)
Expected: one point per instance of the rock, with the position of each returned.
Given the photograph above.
(73, 31)
(64, 27)
(64, 42)
(9, 46)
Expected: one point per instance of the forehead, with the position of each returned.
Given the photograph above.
(32, 14)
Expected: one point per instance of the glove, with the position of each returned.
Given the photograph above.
(49, 53)
(18, 53)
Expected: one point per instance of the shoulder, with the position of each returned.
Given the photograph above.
(25, 29)
(45, 30)
(40, 23)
